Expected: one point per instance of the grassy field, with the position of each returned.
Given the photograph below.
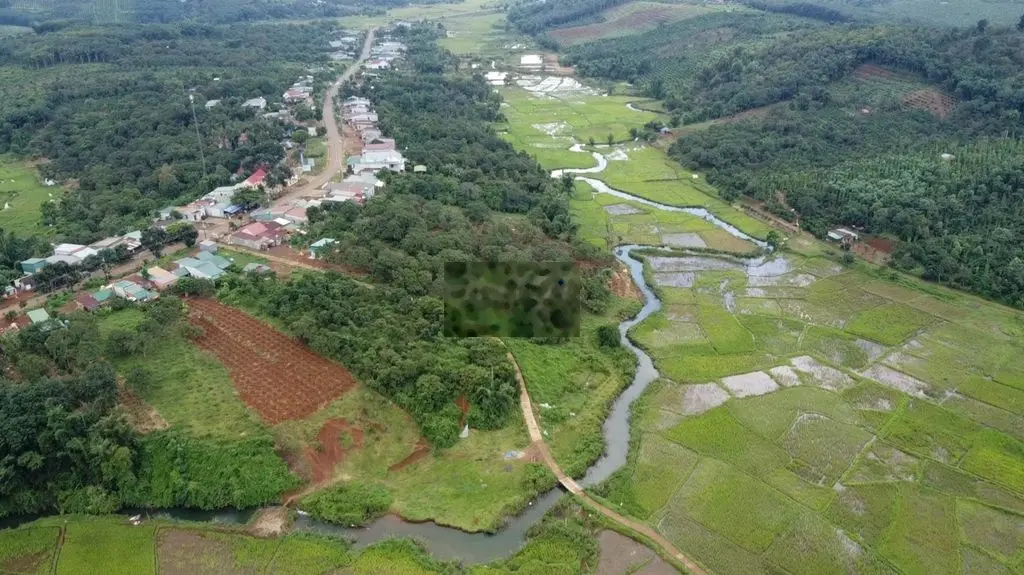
(546, 125)
(190, 388)
(816, 418)
(565, 541)
(574, 383)
(22, 193)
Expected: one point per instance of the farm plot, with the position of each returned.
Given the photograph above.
(274, 374)
(631, 18)
(878, 86)
(842, 424)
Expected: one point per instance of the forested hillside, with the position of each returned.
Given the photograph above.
(65, 445)
(109, 107)
(478, 200)
(907, 132)
(43, 13)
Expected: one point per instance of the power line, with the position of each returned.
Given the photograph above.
(199, 139)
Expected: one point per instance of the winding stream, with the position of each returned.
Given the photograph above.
(446, 543)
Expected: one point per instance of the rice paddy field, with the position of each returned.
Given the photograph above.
(568, 540)
(816, 418)
(22, 193)
(547, 122)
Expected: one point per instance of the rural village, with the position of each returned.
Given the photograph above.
(793, 234)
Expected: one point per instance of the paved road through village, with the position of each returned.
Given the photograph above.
(335, 143)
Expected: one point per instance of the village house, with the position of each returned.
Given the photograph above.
(391, 159)
(319, 248)
(380, 145)
(131, 291)
(38, 316)
(258, 235)
(204, 265)
(844, 236)
(161, 278)
(32, 265)
(258, 103)
(211, 104)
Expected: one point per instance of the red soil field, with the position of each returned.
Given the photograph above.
(331, 452)
(275, 375)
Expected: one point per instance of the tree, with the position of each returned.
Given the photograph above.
(154, 239)
(249, 198)
(183, 232)
(982, 25)
(593, 143)
(300, 136)
(608, 336)
(611, 139)
(1020, 23)
(773, 239)
(568, 184)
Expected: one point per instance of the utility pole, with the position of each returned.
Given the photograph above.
(199, 139)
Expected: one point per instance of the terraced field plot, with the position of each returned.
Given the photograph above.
(631, 18)
(817, 419)
(606, 220)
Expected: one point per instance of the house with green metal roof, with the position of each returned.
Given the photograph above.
(32, 265)
(38, 316)
(132, 291)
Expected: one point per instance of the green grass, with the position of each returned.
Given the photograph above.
(736, 505)
(21, 195)
(922, 538)
(190, 388)
(241, 259)
(27, 550)
(888, 324)
(299, 554)
(995, 531)
(107, 546)
(717, 434)
(579, 380)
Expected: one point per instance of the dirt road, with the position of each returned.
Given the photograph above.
(335, 143)
(570, 484)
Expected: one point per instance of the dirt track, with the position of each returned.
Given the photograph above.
(570, 484)
(335, 142)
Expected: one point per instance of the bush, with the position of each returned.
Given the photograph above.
(608, 336)
(349, 504)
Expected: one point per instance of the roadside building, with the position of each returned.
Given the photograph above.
(161, 278)
(32, 265)
(319, 248)
(844, 236)
(258, 235)
(87, 302)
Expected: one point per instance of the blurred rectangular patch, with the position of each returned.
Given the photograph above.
(511, 299)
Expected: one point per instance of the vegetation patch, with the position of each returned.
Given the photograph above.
(28, 550)
(22, 195)
(104, 546)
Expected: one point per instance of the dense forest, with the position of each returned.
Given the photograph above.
(108, 107)
(66, 446)
(533, 16)
(906, 132)
(478, 200)
(45, 14)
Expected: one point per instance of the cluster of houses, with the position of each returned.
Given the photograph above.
(216, 204)
(300, 92)
(378, 153)
(382, 54)
(345, 48)
(73, 255)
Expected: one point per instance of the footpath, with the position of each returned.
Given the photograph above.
(537, 439)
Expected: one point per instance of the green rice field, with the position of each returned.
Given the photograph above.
(816, 418)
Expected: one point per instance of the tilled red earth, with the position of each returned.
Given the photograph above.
(275, 375)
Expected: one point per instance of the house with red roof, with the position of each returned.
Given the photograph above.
(259, 235)
(255, 180)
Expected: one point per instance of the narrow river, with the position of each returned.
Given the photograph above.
(446, 543)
